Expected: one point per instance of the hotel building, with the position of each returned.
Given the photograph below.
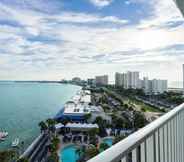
(127, 80)
(155, 86)
(78, 107)
(101, 80)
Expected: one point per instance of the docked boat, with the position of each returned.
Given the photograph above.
(3, 135)
(15, 143)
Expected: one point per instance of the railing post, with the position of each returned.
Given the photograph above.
(165, 137)
(182, 134)
(168, 142)
(145, 151)
(157, 145)
(154, 147)
(159, 160)
(175, 127)
(136, 155)
(180, 137)
(177, 144)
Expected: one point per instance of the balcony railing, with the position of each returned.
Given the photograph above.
(160, 141)
(180, 4)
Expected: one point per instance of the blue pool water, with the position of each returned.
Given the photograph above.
(68, 154)
(108, 141)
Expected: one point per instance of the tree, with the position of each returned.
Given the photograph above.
(98, 120)
(91, 152)
(118, 139)
(93, 132)
(50, 122)
(51, 125)
(87, 116)
(54, 144)
(104, 146)
(53, 157)
(43, 126)
(126, 106)
(7, 156)
(139, 120)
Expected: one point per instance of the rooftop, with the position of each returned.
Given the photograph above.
(80, 108)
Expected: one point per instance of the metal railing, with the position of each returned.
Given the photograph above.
(160, 141)
(180, 5)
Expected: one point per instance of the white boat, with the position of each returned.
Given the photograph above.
(3, 135)
(15, 143)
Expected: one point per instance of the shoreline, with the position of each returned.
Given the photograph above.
(29, 135)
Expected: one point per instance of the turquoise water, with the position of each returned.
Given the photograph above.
(24, 105)
(68, 154)
(108, 141)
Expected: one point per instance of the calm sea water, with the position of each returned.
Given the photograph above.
(24, 105)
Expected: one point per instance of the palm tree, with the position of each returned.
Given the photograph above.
(43, 126)
(51, 126)
(50, 122)
(54, 146)
(56, 141)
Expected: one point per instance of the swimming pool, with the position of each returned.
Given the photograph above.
(108, 141)
(68, 154)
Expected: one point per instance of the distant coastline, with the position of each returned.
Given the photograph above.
(30, 81)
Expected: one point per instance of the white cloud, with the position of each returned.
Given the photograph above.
(163, 12)
(77, 47)
(86, 18)
(101, 3)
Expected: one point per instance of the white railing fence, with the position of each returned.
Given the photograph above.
(160, 141)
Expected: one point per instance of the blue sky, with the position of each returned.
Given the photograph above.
(55, 39)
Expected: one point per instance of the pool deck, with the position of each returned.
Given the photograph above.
(64, 145)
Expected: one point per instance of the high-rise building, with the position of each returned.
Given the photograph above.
(127, 80)
(119, 79)
(155, 86)
(159, 86)
(132, 80)
(101, 80)
(146, 85)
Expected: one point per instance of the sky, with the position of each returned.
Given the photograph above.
(57, 39)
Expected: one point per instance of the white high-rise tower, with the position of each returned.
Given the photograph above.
(183, 78)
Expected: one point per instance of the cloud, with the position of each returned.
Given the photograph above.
(161, 14)
(101, 3)
(77, 43)
(84, 18)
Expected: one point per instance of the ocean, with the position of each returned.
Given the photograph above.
(24, 105)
